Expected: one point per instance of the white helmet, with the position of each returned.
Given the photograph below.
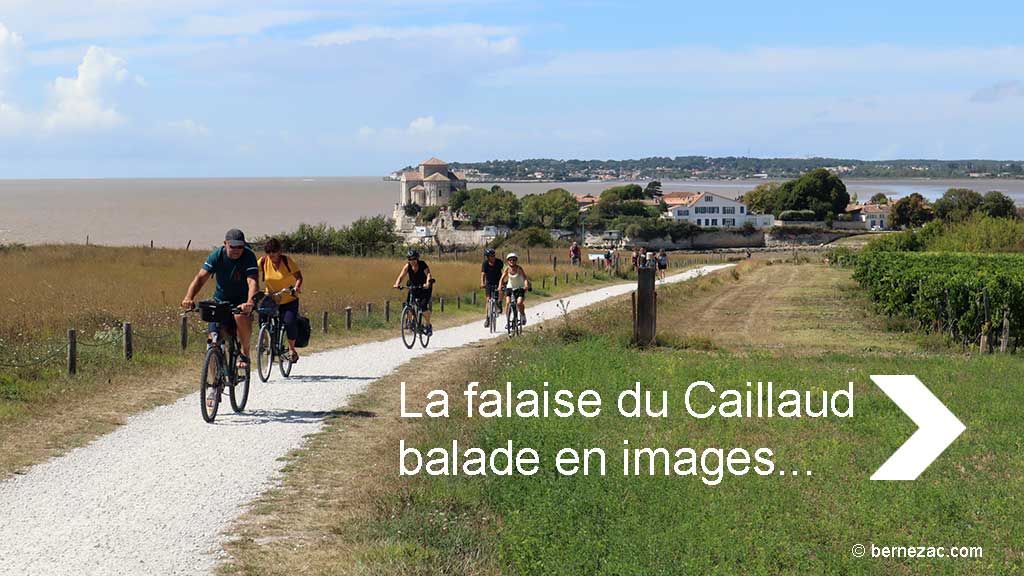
(512, 255)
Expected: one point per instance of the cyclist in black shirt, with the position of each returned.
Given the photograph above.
(490, 275)
(420, 283)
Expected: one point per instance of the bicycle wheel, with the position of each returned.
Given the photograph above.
(284, 356)
(264, 353)
(510, 319)
(424, 336)
(519, 321)
(210, 379)
(410, 326)
(239, 392)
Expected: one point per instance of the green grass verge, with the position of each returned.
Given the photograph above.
(549, 524)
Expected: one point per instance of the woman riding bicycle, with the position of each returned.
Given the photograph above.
(515, 283)
(279, 272)
(420, 284)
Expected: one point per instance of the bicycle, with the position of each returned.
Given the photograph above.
(216, 375)
(412, 320)
(514, 320)
(271, 342)
(493, 306)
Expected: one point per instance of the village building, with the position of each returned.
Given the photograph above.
(873, 216)
(711, 210)
(431, 185)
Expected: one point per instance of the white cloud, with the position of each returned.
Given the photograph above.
(11, 45)
(78, 102)
(245, 24)
(491, 38)
(999, 91)
(424, 134)
(188, 127)
(760, 65)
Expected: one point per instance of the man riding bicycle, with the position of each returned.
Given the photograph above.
(234, 266)
(515, 283)
(490, 277)
(420, 284)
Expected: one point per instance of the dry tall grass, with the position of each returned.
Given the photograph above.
(93, 288)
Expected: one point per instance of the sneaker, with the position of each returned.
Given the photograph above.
(430, 330)
(487, 322)
(522, 321)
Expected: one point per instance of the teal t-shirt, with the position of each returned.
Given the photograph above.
(231, 274)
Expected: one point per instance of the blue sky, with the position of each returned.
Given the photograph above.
(121, 88)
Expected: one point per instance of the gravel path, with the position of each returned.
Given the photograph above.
(155, 496)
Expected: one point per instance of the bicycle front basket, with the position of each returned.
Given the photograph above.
(213, 311)
(267, 306)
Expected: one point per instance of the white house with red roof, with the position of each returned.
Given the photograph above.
(713, 211)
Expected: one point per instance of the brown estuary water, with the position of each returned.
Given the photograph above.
(171, 212)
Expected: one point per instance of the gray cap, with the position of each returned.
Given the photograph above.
(235, 238)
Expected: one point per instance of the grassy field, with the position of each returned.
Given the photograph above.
(805, 326)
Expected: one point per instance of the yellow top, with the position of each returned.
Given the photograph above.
(279, 278)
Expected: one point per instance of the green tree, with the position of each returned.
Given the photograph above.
(819, 190)
(912, 211)
(761, 200)
(653, 189)
(412, 209)
(458, 199)
(879, 198)
(555, 208)
(998, 205)
(957, 204)
(625, 192)
(427, 214)
(496, 206)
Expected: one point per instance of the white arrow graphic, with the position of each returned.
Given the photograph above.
(937, 427)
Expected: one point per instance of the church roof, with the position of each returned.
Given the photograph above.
(412, 176)
(438, 177)
(434, 161)
(416, 188)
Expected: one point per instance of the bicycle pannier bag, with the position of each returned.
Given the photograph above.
(304, 331)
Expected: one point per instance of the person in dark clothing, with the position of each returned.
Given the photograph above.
(420, 284)
(490, 275)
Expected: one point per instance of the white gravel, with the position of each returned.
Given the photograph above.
(155, 496)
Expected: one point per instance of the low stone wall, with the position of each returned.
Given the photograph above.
(702, 241)
(782, 237)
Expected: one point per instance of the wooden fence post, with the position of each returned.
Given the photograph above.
(442, 303)
(554, 263)
(567, 277)
(369, 309)
(127, 337)
(348, 317)
(184, 333)
(646, 311)
(554, 279)
(387, 311)
(72, 352)
(543, 282)
(325, 322)
(474, 297)
(1004, 342)
(458, 302)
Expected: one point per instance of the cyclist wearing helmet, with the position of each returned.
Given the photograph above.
(490, 276)
(515, 283)
(420, 284)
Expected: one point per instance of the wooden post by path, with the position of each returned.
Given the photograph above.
(325, 322)
(442, 303)
(72, 352)
(474, 297)
(387, 311)
(1004, 342)
(348, 317)
(646, 308)
(184, 333)
(369, 309)
(458, 302)
(554, 263)
(127, 340)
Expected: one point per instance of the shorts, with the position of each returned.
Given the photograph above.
(662, 266)
(491, 289)
(230, 325)
(516, 293)
(422, 297)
